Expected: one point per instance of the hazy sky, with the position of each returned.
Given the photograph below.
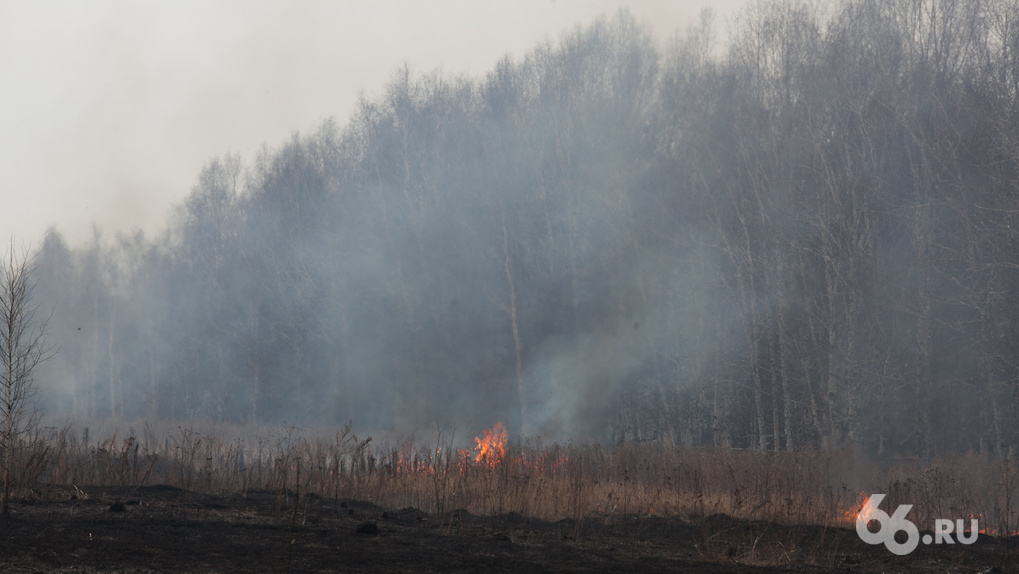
(109, 109)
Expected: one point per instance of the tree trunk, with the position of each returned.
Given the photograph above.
(513, 325)
(113, 390)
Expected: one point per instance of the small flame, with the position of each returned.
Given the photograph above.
(980, 520)
(463, 460)
(868, 512)
(983, 529)
(492, 448)
(863, 509)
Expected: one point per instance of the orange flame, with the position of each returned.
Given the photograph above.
(996, 532)
(463, 460)
(980, 520)
(492, 448)
(868, 512)
(863, 509)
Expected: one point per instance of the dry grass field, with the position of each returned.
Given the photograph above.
(721, 509)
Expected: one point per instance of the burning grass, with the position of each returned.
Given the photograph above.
(498, 476)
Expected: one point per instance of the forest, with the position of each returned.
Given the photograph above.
(792, 235)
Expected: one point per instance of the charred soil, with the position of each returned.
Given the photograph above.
(165, 529)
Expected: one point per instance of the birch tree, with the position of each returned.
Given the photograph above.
(22, 348)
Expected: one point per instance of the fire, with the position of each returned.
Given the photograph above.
(492, 448)
(983, 529)
(868, 512)
(980, 520)
(407, 460)
(863, 509)
(489, 452)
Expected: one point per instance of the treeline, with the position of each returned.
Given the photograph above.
(806, 237)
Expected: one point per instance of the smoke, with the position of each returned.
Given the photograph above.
(110, 110)
(377, 272)
(601, 239)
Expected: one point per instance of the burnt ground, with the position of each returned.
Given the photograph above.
(164, 529)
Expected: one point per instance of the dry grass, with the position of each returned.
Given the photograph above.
(550, 482)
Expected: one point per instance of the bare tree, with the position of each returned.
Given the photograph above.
(22, 348)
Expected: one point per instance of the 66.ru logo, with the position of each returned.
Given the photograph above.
(897, 522)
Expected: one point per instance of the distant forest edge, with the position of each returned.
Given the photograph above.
(804, 238)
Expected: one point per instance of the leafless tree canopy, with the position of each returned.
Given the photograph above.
(23, 348)
(799, 236)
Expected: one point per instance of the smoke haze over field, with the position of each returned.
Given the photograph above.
(109, 109)
(799, 235)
